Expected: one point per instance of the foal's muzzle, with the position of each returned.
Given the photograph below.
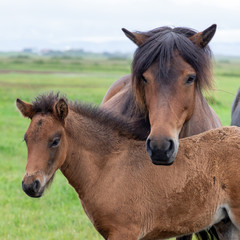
(32, 189)
(162, 153)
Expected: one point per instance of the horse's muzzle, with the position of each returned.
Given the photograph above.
(163, 153)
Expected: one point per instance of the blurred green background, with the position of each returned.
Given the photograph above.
(58, 214)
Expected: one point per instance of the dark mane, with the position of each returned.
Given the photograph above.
(159, 48)
(45, 104)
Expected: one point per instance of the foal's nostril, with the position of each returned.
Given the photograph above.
(36, 186)
(23, 186)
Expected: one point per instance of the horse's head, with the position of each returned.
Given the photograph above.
(46, 144)
(170, 67)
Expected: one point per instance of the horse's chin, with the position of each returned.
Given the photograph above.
(162, 163)
(165, 162)
(33, 194)
(37, 195)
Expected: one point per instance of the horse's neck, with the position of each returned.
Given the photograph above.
(89, 147)
(123, 105)
(203, 119)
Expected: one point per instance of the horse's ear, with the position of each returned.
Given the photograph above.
(137, 38)
(25, 108)
(61, 108)
(203, 38)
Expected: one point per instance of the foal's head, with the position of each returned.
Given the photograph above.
(46, 142)
(169, 68)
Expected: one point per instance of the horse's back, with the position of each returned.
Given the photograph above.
(236, 110)
(119, 100)
(116, 87)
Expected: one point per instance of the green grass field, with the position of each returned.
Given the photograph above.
(58, 214)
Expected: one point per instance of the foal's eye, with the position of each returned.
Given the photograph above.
(190, 79)
(144, 79)
(55, 142)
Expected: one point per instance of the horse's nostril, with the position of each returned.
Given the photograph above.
(171, 148)
(149, 147)
(36, 186)
(162, 150)
(148, 143)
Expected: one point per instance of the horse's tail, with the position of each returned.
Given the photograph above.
(210, 234)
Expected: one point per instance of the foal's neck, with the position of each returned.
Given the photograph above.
(89, 146)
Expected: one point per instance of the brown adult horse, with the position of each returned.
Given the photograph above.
(163, 96)
(123, 193)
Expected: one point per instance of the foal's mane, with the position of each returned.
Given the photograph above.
(160, 47)
(46, 102)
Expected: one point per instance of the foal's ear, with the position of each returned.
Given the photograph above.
(137, 38)
(203, 38)
(25, 108)
(61, 108)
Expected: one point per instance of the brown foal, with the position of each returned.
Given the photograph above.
(122, 192)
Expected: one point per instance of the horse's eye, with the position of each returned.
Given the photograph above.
(190, 79)
(55, 142)
(144, 79)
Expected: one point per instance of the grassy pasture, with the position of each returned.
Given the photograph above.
(59, 215)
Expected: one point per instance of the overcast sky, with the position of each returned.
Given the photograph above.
(96, 24)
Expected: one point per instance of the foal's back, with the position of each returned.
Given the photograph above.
(190, 195)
